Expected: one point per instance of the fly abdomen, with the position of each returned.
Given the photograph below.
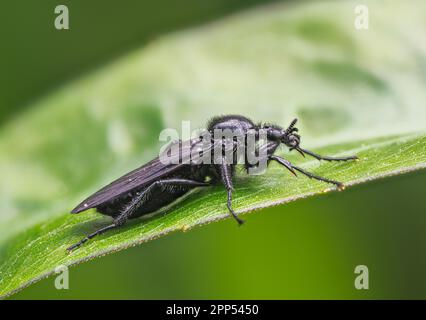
(154, 201)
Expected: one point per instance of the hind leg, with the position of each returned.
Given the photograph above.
(136, 203)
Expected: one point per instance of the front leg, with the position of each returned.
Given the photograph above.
(288, 165)
(320, 157)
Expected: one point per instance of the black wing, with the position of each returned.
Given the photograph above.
(140, 177)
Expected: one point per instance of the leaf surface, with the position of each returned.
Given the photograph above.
(354, 92)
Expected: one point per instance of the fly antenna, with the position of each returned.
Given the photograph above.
(292, 124)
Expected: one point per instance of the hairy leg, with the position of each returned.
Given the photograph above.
(135, 204)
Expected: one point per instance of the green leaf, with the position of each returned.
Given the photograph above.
(355, 92)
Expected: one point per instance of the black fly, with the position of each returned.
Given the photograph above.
(157, 184)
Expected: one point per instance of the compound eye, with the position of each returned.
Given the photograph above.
(293, 141)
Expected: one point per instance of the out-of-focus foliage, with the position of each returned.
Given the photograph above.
(348, 87)
(36, 58)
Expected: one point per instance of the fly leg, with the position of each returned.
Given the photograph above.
(92, 235)
(226, 175)
(310, 175)
(138, 201)
(320, 157)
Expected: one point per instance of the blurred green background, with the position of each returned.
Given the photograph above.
(36, 58)
(307, 249)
